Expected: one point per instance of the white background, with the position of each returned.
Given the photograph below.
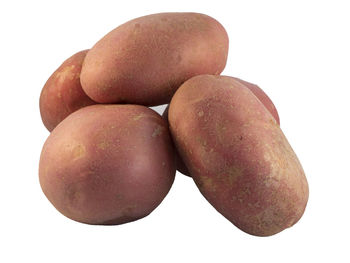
(297, 51)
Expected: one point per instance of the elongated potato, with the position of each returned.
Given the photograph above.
(258, 92)
(146, 59)
(108, 164)
(62, 93)
(237, 154)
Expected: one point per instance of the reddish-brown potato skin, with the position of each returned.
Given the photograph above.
(262, 96)
(108, 164)
(146, 59)
(258, 92)
(237, 154)
(62, 93)
(179, 164)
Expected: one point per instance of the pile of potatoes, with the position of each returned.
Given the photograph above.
(111, 160)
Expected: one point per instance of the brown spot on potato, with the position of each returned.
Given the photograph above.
(78, 151)
(206, 183)
(74, 196)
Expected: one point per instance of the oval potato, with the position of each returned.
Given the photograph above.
(146, 59)
(237, 154)
(108, 164)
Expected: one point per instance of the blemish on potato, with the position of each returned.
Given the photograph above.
(137, 117)
(137, 29)
(128, 211)
(247, 191)
(207, 183)
(157, 131)
(271, 181)
(66, 73)
(74, 195)
(46, 170)
(78, 151)
(233, 174)
(257, 204)
(102, 145)
(273, 121)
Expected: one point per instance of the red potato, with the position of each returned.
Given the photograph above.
(146, 59)
(62, 93)
(258, 92)
(108, 164)
(237, 154)
(262, 96)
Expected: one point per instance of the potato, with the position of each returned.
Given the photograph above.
(146, 59)
(237, 154)
(62, 93)
(258, 92)
(262, 96)
(108, 164)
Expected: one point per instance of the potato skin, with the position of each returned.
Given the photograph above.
(62, 93)
(179, 164)
(237, 154)
(258, 92)
(108, 164)
(262, 96)
(146, 59)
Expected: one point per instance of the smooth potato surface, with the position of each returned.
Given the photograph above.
(62, 93)
(258, 92)
(108, 164)
(146, 59)
(237, 154)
